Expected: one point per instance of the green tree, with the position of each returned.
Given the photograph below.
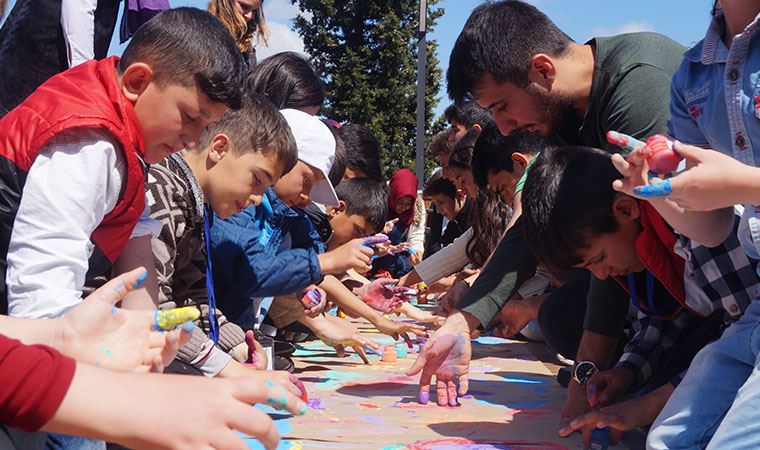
(366, 52)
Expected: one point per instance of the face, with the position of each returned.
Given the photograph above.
(457, 131)
(294, 187)
(463, 179)
(173, 117)
(347, 226)
(446, 206)
(504, 182)
(516, 108)
(236, 181)
(404, 204)
(247, 8)
(352, 172)
(614, 254)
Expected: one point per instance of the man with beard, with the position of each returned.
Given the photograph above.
(512, 59)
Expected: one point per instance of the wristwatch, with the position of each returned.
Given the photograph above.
(582, 371)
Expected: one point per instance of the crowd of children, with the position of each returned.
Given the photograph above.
(195, 216)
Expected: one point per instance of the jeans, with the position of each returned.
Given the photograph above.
(66, 442)
(716, 404)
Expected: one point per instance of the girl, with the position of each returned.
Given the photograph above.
(243, 19)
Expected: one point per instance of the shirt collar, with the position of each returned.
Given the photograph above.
(713, 50)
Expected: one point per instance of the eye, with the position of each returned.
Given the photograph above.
(257, 180)
(187, 118)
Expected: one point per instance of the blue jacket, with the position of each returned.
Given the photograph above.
(263, 251)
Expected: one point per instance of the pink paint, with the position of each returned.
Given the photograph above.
(483, 444)
(369, 405)
(316, 403)
(660, 154)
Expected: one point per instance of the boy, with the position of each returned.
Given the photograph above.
(464, 117)
(362, 153)
(235, 161)
(452, 204)
(76, 150)
(685, 292)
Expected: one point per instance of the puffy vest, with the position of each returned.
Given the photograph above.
(86, 96)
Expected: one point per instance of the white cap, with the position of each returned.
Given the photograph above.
(316, 147)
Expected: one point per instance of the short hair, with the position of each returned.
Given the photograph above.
(338, 168)
(440, 186)
(461, 154)
(256, 127)
(493, 152)
(468, 114)
(366, 198)
(439, 144)
(288, 80)
(188, 46)
(499, 39)
(362, 150)
(566, 201)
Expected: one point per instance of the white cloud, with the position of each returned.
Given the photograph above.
(628, 27)
(281, 39)
(281, 11)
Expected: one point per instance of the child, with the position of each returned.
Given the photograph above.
(78, 148)
(454, 205)
(465, 117)
(362, 153)
(243, 19)
(683, 290)
(289, 81)
(235, 161)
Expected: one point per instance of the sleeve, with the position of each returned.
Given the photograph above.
(78, 25)
(511, 264)
(74, 182)
(201, 353)
(607, 306)
(416, 236)
(681, 125)
(146, 226)
(653, 336)
(646, 115)
(33, 382)
(445, 261)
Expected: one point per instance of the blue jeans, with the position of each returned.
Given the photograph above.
(66, 442)
(716, 404)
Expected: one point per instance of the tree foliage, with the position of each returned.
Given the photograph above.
(366, 52)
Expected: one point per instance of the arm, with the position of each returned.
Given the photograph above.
(78, 24)
(69, 189)
(138, 253)
(416, 236)
(444, 262)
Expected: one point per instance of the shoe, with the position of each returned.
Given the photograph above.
(283, 348)
(564, 375)
(284, 363)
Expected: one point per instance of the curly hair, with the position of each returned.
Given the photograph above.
(488, 218)
(235, 23)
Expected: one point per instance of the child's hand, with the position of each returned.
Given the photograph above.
(314, 300)
(256, 356)
(713, 181)
(97, 333)
(448, 301)
(389, 225)
(341, 334)
(633, 167)
(351, 255)
(381, 295)
(401, 330)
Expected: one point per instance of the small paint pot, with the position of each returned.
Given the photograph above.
(401, 350)
(389, 354)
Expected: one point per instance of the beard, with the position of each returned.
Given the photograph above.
(556, 111)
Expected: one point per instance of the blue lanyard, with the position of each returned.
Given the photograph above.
(650, 293)
(213, 324)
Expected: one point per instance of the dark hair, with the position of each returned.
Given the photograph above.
(287, 80)
(362, 150)
(440, 186)
(339, 162)
(468, 114)
(567, 200)
(256, 127)
(493, 151)
(461, 154)
(439, 144)
(488, 218)
(188, 46)
(365, 198)
(499, 39)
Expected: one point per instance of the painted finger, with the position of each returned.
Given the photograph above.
(172, 318)
(624, 141)
(359, 349)
(579, 422)
(452, 393)
(407, 339)
(424, 396)
(304, 394)
(464, 384)
(281, 398)
(340, 350)
(441, 391)
(662, 189)
(115, 290)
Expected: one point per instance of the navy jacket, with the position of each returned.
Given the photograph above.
(263, 251)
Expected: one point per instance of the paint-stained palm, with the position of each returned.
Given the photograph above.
(447, 356)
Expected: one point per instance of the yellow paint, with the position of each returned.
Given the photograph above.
(171, 318)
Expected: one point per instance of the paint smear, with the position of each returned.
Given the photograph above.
(369, 405)
(316, 403)
(483, 444)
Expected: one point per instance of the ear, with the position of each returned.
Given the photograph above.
(520, 159)
(625, 208)
(542, 70)
(135, 80)
(332, 211)
(477, 127)
(219, 147)
(460, 195)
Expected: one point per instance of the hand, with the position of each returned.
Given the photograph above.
(389, 225)
(516, 314)
(398, 330)
(415, 258)
(315, 310)
(340, 333)
(606, 386)
(256, 356)
(576, 404)
(351, 255)
(447, 356)
(289, 381)
(97, 333)
(713, 181)
(419, 315)
(448, 302)
(380, 295)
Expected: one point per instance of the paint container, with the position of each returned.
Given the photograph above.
(389, 354)
(401, 350)
(311, 298)
(600, 438)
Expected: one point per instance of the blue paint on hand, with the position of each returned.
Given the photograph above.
(662, 189)
(141, 279)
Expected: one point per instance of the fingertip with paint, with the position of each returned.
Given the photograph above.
(188, 327)
(141, 279)
(661, 189)
(424, 396)
(172, 318)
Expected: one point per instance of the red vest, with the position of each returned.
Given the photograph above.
(86, 96)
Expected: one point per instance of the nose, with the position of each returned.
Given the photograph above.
(254, 199)
(601, 272)
(248, 16)
(506, 125)
(191, 134)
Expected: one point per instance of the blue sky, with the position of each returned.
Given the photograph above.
(683, 20)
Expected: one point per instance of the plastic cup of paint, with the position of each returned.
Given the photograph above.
(389, 353)
(401, 350)
(311, 298)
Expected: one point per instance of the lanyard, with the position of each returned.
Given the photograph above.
(650, 293)
(213, 324)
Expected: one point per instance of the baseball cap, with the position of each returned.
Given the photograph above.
(316, 147)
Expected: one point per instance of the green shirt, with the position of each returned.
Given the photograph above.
(521, 181)
(630, 93)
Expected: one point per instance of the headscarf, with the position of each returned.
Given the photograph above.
(403, 183)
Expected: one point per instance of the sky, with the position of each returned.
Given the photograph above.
(685, 21)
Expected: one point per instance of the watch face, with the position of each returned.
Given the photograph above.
(584, 371)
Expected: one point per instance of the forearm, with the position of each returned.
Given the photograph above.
(33, 331)
(597, 348)
(138, 253)
(350, 303)
(709, 228)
